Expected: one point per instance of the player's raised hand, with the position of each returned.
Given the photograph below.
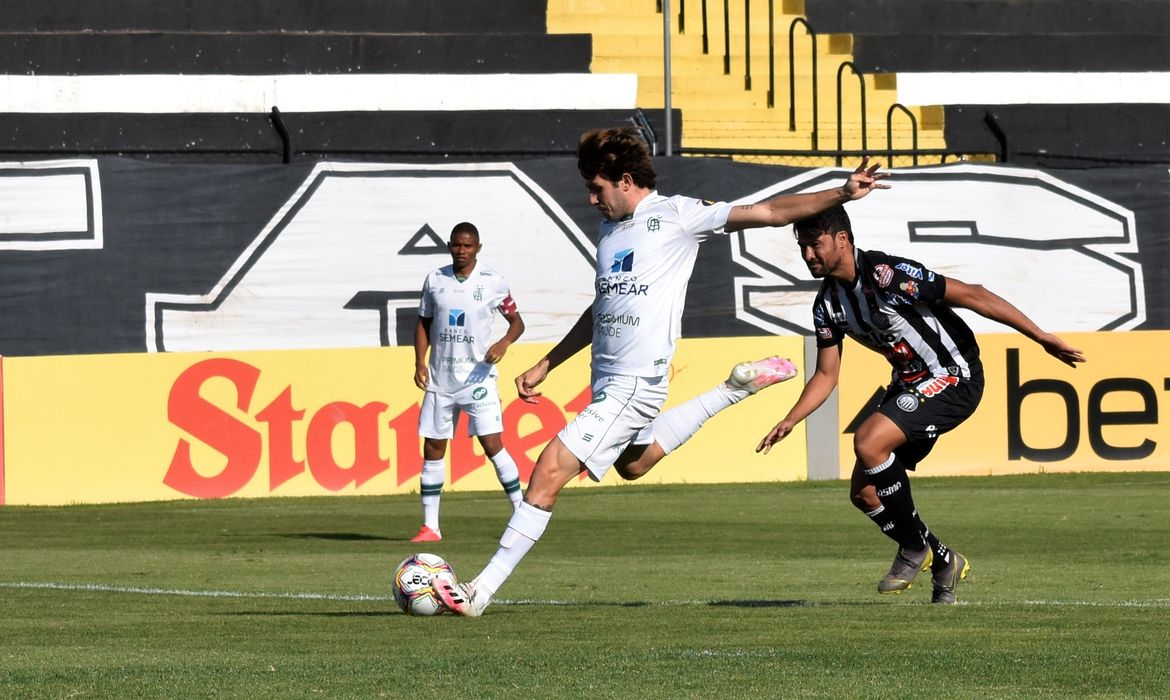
(865, 179)
(526, 383)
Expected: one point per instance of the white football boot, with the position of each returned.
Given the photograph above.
(461, 598)
(753, 376)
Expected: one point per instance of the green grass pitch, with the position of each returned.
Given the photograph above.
(754, 590)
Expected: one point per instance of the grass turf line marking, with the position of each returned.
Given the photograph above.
(142, 590)
(109, 588)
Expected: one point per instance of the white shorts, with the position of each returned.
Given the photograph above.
(440, 411)
(619, 416)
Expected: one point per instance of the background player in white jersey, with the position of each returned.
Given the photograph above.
(459, 302)
(904, 311)
(645, 255)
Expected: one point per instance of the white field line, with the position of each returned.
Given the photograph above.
(358, 597)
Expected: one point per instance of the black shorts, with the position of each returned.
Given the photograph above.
(928, 409)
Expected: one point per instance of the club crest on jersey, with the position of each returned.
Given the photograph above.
(623, 261)
(653, 224)
(883, 275)
(478, 293)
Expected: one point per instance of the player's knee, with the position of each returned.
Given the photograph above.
(869, 452)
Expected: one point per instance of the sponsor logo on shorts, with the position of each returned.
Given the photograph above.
(910, 287)
(907, 402)
(598, 397)
(825, 333)
(883, 275)
(478, 393)
(587, 437)
(931, 431)
(935, 386)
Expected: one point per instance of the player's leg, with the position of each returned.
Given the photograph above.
(554, 468)
(485, 420)
(621, 408)
(921, 417)
(506, 470)
(880, 473)
(435, 425)
(672, 428)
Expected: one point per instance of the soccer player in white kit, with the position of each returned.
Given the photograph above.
(459, 302)
(645, 255)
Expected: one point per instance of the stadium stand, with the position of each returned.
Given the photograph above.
(1046, 82)
(730, 77)
(197, 79)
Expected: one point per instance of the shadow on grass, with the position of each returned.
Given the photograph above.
(391, 612)
(339, 536)
(761, 603)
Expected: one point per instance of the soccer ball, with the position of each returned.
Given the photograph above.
(412, 583)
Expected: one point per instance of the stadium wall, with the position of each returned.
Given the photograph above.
(129, 285)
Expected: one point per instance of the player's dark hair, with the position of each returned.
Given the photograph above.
(465, 227)
(829, 221)
(613, 152)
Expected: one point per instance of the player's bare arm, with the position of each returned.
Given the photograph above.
(784, 209)
(422, 341)
(818, 389)
(578, 337)
(515, 329)
(990, 305)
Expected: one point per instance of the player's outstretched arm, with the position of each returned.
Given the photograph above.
(786, 208)
(988, 304)
(820, 386)
(578, 337)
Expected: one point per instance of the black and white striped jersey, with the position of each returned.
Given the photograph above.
(895, 307)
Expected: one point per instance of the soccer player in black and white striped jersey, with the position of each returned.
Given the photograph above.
(901, 309)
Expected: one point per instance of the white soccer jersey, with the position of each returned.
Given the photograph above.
(643, 265)
(461, 316)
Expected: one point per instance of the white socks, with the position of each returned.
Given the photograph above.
(509, 476)
(434, 473)
(674, 427)
(524, 529)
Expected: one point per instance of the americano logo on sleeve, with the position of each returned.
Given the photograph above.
(985, 224)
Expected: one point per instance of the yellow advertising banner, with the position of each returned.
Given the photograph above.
(1037, 414)
(135, 427)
